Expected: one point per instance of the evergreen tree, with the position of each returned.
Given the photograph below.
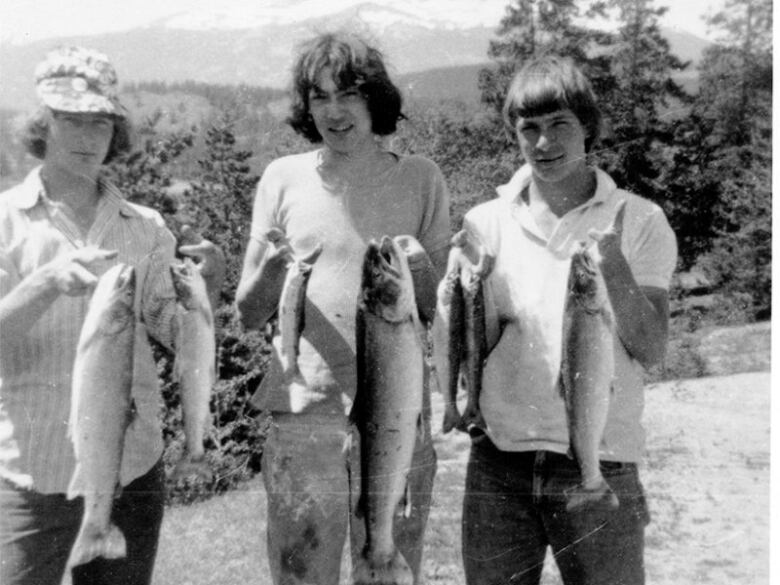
(531, 28)
(219, 203)
(735, 105)
(633, 149)
(144, 175)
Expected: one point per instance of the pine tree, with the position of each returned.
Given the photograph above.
(735, 105)
(219, 202)
(641, 63)
(531, 28)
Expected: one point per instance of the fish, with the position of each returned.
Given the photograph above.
(475, 345)
(468, 265)
(388, 405)
(449, 368)
(194, 367)
(587, 372)
(101, 410)
(292, 319)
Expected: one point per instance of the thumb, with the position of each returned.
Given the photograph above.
(87, 256)
(312, 256)
(189, 236)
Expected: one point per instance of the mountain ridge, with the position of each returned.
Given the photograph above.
(263, 55)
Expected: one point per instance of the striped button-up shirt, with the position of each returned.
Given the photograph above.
(36, 367)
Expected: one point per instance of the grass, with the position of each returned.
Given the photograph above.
(706, 475)
(222, 541)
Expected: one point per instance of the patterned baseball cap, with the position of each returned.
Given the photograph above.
(75, 79)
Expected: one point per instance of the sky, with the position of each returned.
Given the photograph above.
(28, 20)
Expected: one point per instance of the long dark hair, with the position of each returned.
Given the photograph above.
(354, 63)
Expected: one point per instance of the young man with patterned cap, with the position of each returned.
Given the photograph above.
(62, 228)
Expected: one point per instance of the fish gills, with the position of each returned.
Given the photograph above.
(194, 366)
(388, 405)
(587, 371)
(101, 412)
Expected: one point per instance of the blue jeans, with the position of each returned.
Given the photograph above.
(515, 507)
(37, 532)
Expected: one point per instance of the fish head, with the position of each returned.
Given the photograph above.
(387, 289)
(112, 303)
(585, 281)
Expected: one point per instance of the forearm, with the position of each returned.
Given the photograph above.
(426, 279)
(641, 317)
(23, 306)
(258, 294)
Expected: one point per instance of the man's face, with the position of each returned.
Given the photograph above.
(553, 144)
(79, 142)
(341, 116)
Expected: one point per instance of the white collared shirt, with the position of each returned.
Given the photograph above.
(526, 292)
(35, 369)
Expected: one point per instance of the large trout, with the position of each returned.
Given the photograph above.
(100, 411)
(587, 371)
(388, 405)
(194, 366)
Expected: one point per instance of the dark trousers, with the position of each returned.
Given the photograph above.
(514, 508)
(37, 532)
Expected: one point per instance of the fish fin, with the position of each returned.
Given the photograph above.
(406, 501)
(92, 543)
(77, 485)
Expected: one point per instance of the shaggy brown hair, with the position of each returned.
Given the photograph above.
(354, 63)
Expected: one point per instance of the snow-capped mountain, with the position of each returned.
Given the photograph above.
(238, 14)
(235, 41)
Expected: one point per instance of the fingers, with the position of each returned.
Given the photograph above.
(312, 256)
(615, 229)
(76, 280)
(200, 251)
(88, 256)
(189, 236)
(410, 245)
(274, 236)
(620, 214)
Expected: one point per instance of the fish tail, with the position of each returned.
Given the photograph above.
(92, 543)
(451, 417)
(392, 570)
(599, 497)
(189, 466)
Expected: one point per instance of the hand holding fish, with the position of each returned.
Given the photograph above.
(73, 273)
(424, 276)
(210, 259)
(608, 241)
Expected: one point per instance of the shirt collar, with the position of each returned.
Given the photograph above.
(510, 191)
(32, 192)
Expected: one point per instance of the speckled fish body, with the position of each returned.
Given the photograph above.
(101, 410)
(475, 345)
(194, 366)
(292, 317)
(388, 405)
(587, 370)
